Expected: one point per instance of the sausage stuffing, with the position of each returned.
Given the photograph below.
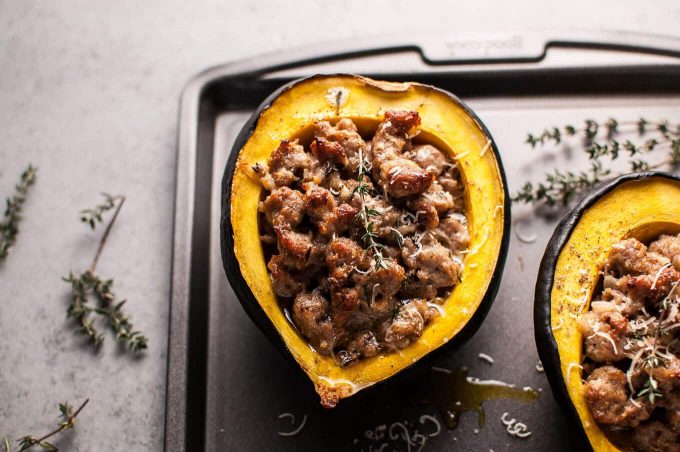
(364, 235)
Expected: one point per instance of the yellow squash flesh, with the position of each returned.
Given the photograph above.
(643, 209)
(446, 124)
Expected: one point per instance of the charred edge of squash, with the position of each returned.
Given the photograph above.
(545, 340)
(331, 395)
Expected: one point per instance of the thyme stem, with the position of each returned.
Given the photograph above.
(102, 241)
(68, 423)
(365, 213)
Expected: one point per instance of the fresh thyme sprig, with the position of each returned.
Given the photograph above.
(370, 237)
(88, 283)
(562, 187)
(9, 227)
(68, 415)
(591, 128)
(654, 360)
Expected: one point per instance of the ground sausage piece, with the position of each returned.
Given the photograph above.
(450, 180)
(345, 303)
(310, 316)
(343, 189)
(388, 219)
(321, 208)
(283, 282)
(648, 287)
(453, 232)
(343, 257)
(288, 164)
(429, 158)
(668, 378)
(415, 288)
(431, 203)
(440, 199)
(432, 263)
(645, 270)
(326, 150)
(295, 247)
(408, 324)
(668, 246)
(654, 436)
(598, 328)
(283, 207)
(346, 299)
(673, 420)
(345, 134)
(627, 256)
(605, 393)
(626, 305)
(425, 210)
(380, 287)
(638, 273)
(344, 217)
(397, 174)
(365, 345)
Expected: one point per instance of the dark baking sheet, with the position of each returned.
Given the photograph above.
(227, 386)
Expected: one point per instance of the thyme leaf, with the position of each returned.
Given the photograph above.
(651, 390)
(96, 215)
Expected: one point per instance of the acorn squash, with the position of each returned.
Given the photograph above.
(643, 206)
(289, 114)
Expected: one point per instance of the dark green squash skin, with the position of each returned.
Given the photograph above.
(253, 308)
(545, 341)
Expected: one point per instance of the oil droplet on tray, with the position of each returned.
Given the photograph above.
(453, 392)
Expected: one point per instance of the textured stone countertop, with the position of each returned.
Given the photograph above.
(89, 93)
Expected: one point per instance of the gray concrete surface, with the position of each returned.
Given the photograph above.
(89, 93)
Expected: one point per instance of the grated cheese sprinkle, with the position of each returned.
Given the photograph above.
(486, 148)
(606, 336)
(485, 357)
(658, 274)
(439, 308)
(570, 367)
(292, 420)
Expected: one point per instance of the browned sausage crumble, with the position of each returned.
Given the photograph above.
(364, 236)
(631, 343)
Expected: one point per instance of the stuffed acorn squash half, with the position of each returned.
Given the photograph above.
(364, 226)
(607, 317)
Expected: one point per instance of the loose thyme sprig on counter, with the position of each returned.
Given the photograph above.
(366, 214)
(89, 283)
(68, 415)
(9, 227)
(561, 187)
